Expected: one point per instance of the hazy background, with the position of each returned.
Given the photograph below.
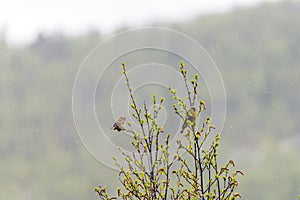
(255, 44)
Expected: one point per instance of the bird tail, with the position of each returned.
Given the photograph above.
(183, 127)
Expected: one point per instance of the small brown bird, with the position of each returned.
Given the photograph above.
(191, 116)
(119, 125)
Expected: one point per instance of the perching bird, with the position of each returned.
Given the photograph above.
(191, 116)
(119, 125)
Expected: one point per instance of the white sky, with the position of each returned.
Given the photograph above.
(22, 20)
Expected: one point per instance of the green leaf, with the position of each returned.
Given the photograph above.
(173, 91)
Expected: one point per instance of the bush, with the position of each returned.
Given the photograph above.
(193, 172)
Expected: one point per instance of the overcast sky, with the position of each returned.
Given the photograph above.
(22, 20)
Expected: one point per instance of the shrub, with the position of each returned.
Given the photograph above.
(193, 172)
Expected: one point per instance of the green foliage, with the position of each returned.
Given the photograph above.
(153, 173)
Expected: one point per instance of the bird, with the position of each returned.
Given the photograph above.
(119, 125)
(191, 116)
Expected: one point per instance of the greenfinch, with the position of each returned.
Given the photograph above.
(191, 116)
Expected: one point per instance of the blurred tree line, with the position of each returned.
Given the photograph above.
(257, 51)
